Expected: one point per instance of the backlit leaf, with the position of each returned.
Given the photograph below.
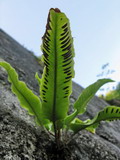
(58, 53)
(27, 99)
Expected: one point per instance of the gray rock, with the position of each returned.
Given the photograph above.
(21, 139)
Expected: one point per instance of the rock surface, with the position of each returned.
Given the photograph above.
(21, 139)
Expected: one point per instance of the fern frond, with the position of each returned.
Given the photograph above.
(86, 95)
(110, 113)
(58, 53)
(26, 97)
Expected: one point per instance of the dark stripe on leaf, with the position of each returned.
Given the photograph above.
(46, 41)
(62, 38)
(46, 61)
(66, 87)
(45, 55)
(112, 110)
(67, 64)
(117, 110)
(47, 69)
(106, 110)
(44, 91)
(46, 64)
(68, 71)
(48, 34)
(67, 90)
(67, 68)
(44, 97)
(66, 54)
(46, 80)
(46, 74)
(67, 48)
(67, 81)
(67, 59)
(45, 87)
(65, 25)
(44, 100)
(66, 29)
(64, 45)
(44, 50)
(62, 34)
(68, 77)
(47, 38)
(67, 39)
(46, 47)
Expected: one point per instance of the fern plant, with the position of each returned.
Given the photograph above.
(51, 108)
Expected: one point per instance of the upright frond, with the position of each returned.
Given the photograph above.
(58, 53)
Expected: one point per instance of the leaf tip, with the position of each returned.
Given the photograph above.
(56, 10)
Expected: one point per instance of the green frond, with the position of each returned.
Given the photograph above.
(87, 94)
(27, 99)
(58, 53)
(110, 113)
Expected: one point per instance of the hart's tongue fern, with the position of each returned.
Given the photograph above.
(51, 109)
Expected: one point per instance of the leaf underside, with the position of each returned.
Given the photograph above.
(87, 94)
(109, 113)
(85, 97)
(26, 97)
(58, 53)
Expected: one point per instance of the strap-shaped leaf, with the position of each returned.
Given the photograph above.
(109, 113)
(87, 94)
(27, 99)
(58, 53)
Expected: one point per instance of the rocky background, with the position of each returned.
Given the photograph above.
(21, 139)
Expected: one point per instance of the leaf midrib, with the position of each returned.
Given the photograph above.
(55, 72)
